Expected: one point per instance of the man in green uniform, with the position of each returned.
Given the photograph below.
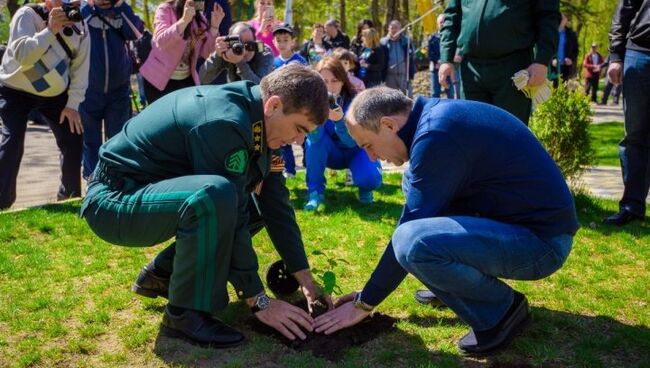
(186, 167)
(497, 39)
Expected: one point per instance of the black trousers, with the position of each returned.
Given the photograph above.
(591, 84)
(15, 106)
(152, 93)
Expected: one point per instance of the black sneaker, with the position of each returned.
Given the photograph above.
(425, 296)
(487, 342)
(151, 283)
(200, 328)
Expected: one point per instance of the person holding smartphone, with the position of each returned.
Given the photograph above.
(181, 35)
(263, 22)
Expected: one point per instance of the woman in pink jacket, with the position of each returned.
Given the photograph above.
(263, 23)
(181, 35)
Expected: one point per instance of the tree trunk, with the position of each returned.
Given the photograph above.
(342, 15)
(147, 19)
(392, 12)
(12, 6)
(374, 11)
(405, 12)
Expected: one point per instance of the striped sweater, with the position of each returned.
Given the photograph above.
(36, 63)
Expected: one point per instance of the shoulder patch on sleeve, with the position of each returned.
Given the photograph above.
(236, 161)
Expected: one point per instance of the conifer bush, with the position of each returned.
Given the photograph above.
(562, 125)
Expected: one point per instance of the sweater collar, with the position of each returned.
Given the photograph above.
(407, 132)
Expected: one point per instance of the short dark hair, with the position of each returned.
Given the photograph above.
(345, 55)
(332, 22)
(301, 89)
(240, 27)
(369, 106)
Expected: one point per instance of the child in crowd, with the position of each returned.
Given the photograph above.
(349, 61)
(284, 43)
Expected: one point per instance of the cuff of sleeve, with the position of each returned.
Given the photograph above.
(615, 57)
(73, 103)
(373, 295)
(543, 57)
(247, 284)
(295, 265)
(446, 56)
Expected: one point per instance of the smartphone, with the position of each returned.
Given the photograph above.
(199, 5)
(270, 12)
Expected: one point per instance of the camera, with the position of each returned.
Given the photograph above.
(72, 12)
(235, 44)
(238, 47)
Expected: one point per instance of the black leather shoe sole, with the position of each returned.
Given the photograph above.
(151, 285)
(506, 342)
(427, 297)
(518, 319)
(149, 293)
(176, 334)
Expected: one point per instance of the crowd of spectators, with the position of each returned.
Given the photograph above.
(86, 77)
(195, 43)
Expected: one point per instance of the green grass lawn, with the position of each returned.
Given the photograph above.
(65, 298)
(604, 140)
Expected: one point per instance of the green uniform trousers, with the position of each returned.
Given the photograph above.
(199, 211)
(490, 81)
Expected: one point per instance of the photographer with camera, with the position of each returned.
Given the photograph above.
(45, 67)
(111, 24)
(240, 55)
(181, 34)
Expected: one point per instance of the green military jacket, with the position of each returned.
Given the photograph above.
(492, 29)
(214, 130)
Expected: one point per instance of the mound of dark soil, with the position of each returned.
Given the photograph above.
(331, 347)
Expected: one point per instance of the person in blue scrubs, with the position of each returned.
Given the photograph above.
(330, 146)
(484, 202)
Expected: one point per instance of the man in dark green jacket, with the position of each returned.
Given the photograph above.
(186, 167)
(497, 39)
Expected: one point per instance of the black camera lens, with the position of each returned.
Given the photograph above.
(237, 48)
(251, 46)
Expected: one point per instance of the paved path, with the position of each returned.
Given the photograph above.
(39, 175)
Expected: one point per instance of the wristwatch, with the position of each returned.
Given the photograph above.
(262, 302)
(359, 304)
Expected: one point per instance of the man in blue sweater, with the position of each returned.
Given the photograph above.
(484, 201)
(107, 106)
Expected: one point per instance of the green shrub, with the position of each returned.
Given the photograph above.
(562, 125)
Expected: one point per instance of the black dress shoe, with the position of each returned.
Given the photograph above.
(151, 283)
(425, 296)
(498, 337)
(622, 217)
(200, 328)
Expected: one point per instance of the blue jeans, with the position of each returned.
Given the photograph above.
(462, 258)
(436, 88)
(634, 149)
(289, 159)
(325, 153)
(113, 110)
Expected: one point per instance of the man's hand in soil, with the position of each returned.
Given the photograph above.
(345, 315)
(311, 290)
(287, 319)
